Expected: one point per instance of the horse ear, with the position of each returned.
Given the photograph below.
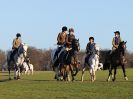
(78, 39)
(125, 42)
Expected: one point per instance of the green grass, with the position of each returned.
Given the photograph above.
(42, 86)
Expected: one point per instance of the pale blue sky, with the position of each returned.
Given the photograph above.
(40, 21)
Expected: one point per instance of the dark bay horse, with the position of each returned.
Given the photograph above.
(117, 58)
(68, 60)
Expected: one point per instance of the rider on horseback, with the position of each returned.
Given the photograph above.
(16, 44)
(70, 37)
(90, 49)
(61, 41)
(116, 40)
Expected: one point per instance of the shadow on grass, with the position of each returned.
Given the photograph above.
(5, 80)
(39, 80)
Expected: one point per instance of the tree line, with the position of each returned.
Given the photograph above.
(40, 58)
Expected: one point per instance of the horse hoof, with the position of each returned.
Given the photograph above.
(126, 78)
(15, 78)
(18, 78)
(10, 79)
(92, 81)
(55, 77)
(113, 80)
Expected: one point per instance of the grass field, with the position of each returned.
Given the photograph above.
(42, 86)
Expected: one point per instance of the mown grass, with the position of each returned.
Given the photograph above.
(42, 86)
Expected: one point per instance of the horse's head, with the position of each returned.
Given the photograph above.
(121, 48)
(122, 45)
(97, 47)
(23, 49)
(76, 45)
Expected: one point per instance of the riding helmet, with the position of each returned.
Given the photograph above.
(71, 30)
(91, 38)
(64, 28)
(18, 35)
(117, 32)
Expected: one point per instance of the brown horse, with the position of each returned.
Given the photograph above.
(69, 61)
(117, 58)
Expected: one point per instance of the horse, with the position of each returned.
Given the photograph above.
(17, 61)
(93, 65)
(68, 61)
(117, 58)
(28, 68)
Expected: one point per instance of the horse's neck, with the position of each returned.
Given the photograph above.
(20, 50)
(121, 51)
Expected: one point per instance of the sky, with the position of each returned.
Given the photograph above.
(40, 21)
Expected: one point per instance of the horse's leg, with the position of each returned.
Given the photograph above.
(56, 72)
(18, 77)
(83, 71)
(25, 72)
(67, 73)
(115, 70)
(28, 72)
(77, 69)
(94, 72)
(15, 73)
(124, 72)
(64, 74)
(91, 74)
(92, 66)
(61, 72)
(72, 74)
(9, 70)
(32, 71)
(110, 72)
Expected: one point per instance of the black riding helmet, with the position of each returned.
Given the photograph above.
(91, 38)
(18, 35)
(64, 28)
(117, 32)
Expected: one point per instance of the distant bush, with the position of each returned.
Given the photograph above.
(40, 58)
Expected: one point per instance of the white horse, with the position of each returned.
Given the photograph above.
(94, 65)
(28, 69)
(17, 60)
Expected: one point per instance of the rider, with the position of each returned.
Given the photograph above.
(116, 40)
(70, 38)
(90, 49)
(16, 44)
(61, 40)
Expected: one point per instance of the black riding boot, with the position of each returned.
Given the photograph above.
(13, 54)
(86, 59)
